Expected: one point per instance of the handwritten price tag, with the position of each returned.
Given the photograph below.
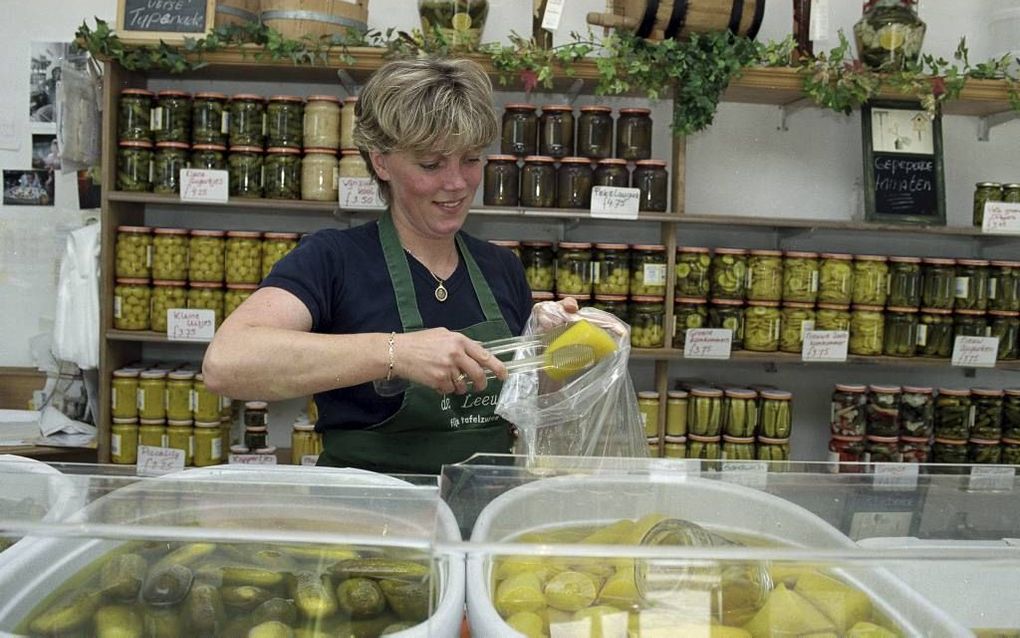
(360, 193)
(309, 459)
(251, 459)
(553, 13)
(708, 343)
(991, 478)
(825, 345)
(156, 461)
(896, 476)
(1001, 218)
(747, 473)
(190, 325)
(204, 185)
(614, 202)
(975, 352)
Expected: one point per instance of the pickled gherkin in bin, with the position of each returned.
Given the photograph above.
(729, 273)
(573, 268)
(761, 327)
(905, 282)
(800, 276)
(1011, 414)
(776, 414)
(693, 270)
(1005, 326)
(171, 117)
(797, 318)
(848, 410)
(835, 278)
(900, 338)
(917, 412)
(611, 269)
(971, 284)
(938, 283)
(689, 313)
(705, 411)
(867, 330)
(170, 254)
(984, 451)
(740, 412)
(166, 295)
(537, 258)
(736, 448)
(764, 275)
(133, 252)
(883, 410)
(131, 304)
(935, 333)
(988, 407)
(647, 322)
(648, 269)
(871, 274)
(1004, 286)
(728, 314)
(953, 414)
(832, 317)
(134, 166)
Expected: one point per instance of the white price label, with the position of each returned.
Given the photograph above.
(818, 29)
(309, 459)
(747, 473)
(190, 324)
(615, 202)
(975, 352)
(1001, 218)
(991, 478)
(708, 343)
(654, 274)
(553, 13)
(204, 185)
(360, 193)
(896, 476)
(668, 470)
(156, 461)
(825, 345)
(252, 459)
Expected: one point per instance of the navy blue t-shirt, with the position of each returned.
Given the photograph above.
(341, 277)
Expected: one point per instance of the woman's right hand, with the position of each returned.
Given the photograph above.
(444, 360)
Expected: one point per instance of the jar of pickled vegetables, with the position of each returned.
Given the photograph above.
(538, 182)
(800, 276)
(1011, 413)
(166, 294)
(243, 257)
(676, 413)
(1010, 451)
(352, 164)
(206, 403)
(519, 130)
(502, 181)
(729, 273)
(285, 116)
(131, 304)
(556, 130)
(1004, 286)
(180, 436)
(1011, 193)
(167, 163)
(883, 410)
(648, 409)
(938, 283)
(124, 441)
(985, 192)
(970, 323)
(208, 444)
(648, 269)
(320, 175)
(235, 295)
(765, 275)
(917, 412)
(883, 449)
(735, 448)
(611, 269)
(134, 115)
(835, 278)
(275, 247)
(595, 132)
(171, 117)
(797, 318)
(761, 327)
(946, 450)
(832, 317)
(537, 258)
(612, 172)
(653, 446)
(871, 280)
(971, 284)
(914, 449)
(170, 253)
(205, 255)
(776, 414)
(954, 413)
(634, 134)
(133, 252)
(675, 447)
(740, 412)
(305, 443)
(705, 412)
(152, 395)
(904, 282)
(152, 432)
(245, 166)
(847, 449)
(728, 314)
(179, 399)
(688, 313)
(706, 448)
(348, 120)
(984, 451)
(848, 410)
(614, 305)
(867, 330)
(208, 124)
(247, 123)
(647, 322)
(321, 125)
(1005, 326)
(282, 176)
(574, 181)
(693, 271)
(573, 268)
(208, 156)
(774, 450)
(900, 338)
(124, 394)
(935, 333)
(651, 178)
(134, 166)
(988, 407)
(512, 245)
(207, 297)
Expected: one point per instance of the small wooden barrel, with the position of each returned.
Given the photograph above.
(298, 18)
(661, 19)
(237, 12)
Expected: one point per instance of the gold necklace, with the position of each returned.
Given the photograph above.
(441, 293)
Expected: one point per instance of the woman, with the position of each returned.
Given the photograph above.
(406, 297)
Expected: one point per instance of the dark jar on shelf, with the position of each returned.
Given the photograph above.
(938, 283)
(1005, 326)
(245, 171)
(985, 192)
(282, 174)
(904, 281)
(946, 450)
(634, 134)
(538, 182)
(972, 284)
(502, 181)
(651, 178)
(171, 117)
(208, 125)
(208, 156)
(574, 181)
(612, 172)
(134, 166)
(556, 131)
(520, 130)
(247, 120)
(595, 132)
(169, 159)
(134, 115)
(285, 121)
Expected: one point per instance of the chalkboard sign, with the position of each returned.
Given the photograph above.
(168, 20)
(903, 173)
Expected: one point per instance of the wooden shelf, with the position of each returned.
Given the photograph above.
(784, 358)
(831, 224)
(146, 336)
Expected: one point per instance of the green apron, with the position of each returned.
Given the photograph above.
(429, 429)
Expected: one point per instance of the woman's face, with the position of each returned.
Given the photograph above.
(431, 192)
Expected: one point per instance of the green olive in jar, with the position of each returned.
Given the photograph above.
(133, 252)
(235, 295)
(131, 304)
(274, 247)
(648, 269)
(611, 269)
(170, 253)
(243, 257)
(207, 297)
(538, 260)
(166, 295)
(205, 255)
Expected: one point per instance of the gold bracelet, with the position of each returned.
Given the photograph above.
(391, 356)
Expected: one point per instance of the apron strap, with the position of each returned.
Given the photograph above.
(483, 292)
(400, 275)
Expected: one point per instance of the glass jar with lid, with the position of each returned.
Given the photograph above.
(938, 283)
(647, 321)
(282, 175)
(574, 182)
(285, 116)
(538, 182)
(946, 450)
(800, 276)
(207, 297)
(740, 412)
(900, 338)
(985, 192)
(776, 413)
(520, 130)
(832, 317)
(134, 166)
(208, 156)
(133, 252)
(556, 131)
(847, 414)
(761, 327)
(319, 175)
(305, 443)
(970, 323)
(883, 410)
(321, 122)
(512, 245)
(765, 275)
(705, 411)
(235, 295)
(984, 451)
(208, 122)
(614, 305)
(166, 294)
(688, 313)
(573, 268)
(206, 403)
(612, 172)
(152, 395)
(634, 134)
(736, 448)
(706, 448)
(170, 253)
(595, 132)
(647, 269)
(502, 181)
(883, 449)
(797, 319)
(256, 414)
(275, 247)
(169, 159)
(171, 117)
(847, 449)
(835, 278)
(243, 257)
(1011, 413)
(935, 333)
(247, 123)
(773, 450)
(867, 330)
(205, 255)
(348, 120)
(917, 411)
(131, 304)
(871, 280)
(352, 164)
(988, 408)
(915, 449)
(124, 394)
(538, 260)
(729, 273)
(954, 413)
(179, 399)
(134, 115)
(245, 166)
(648, 409)
(124, 441)
(1005, 326)
(676, 412)
(905, 282)
(152, 432)
(1004, 285)
(728, 314)
(208, 444)
(651, 178)
(611, 269)
(971, 284)
(180, 436)
(1011, 193)
(693, 271)
(1010, 451)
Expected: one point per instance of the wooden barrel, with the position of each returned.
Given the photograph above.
(297, 18)
(237, 12)
(661, 19)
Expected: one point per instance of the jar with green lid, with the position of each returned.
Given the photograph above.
(867, 330)
(133, 252)
(988, 409)
(1004, 285)
(900, 338)
(675, 447)
(985, 192)
(706, 448)
(905, 282)
(538, 182)
(1011, 413)
(573, 268)
(954, 413)
(882, 411)
(169, 159)
(282, 176)
(124, 442)
(914, 449)
(765, 275)
(612, 172)
(614, 305)
(971, 284)
(883, 449)
(556, 131)
(131, 304)
(205, 255)
(634, 134)
(1010, 451)
(502, 181)
(319, 175)
(179, 404)
(774, 450)
(728, 314)
(935, 333)
(776, 413)
(519, 130)
(245, 166)
(206, 403)
(152, 433)
(171, 117)
(166, 294)
(305, 443)
(761, 327)
(208, 156)
(648, 408)
(832, 317)
(574, 181)
(688, 313)
(134, 166)
(285, 116)
(729, 273)
(180, 436)
(705, 411)
(321, 125)
(275, 247)
(650, 177)
(538, 259)
(611, 269)
(595, 132)
(736, 448)
(800, 276)
(1005, 326)
(647, 269)
(677, 402)
(170, 254)
(871, 280)
(938, 283)
(917, 411)
(693, 271)
(945, 450)
(247, 121)
(348, 120)
(124, 394)
(740, 412)
(208, 122)
(970, 323)
(243, 257)
(152, 395)
(835, 278)
(797, 318)
(647, 319)
(134, 115)
(352, 164)
(847, 412)
(204, 296)
(208, 444)
(984, 452)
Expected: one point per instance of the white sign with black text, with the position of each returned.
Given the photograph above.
(190, 324)
(708, 343)
(1001, 218)
(825, 345)
(204, 185)
(615, 202)
(156, 461)
(360, 193)
(975, 352)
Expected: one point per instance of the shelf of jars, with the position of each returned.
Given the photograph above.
(785, 358)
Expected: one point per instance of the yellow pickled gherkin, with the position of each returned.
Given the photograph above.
(835, 278)
(761, 326)
(867, 330)
(765, 276)
(800, 276)
(797, 318)
(705, 411)
(676, 413)
(776, 414)
(871, 280)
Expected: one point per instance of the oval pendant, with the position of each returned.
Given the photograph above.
(441, 293)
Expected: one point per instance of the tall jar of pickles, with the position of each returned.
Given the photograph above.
(573, 268)
(247, 123)
(171, 117)
(1004, 286)
(935, 333)
(179, 399)
(676, 412)
(729, 273)
(954, 413)
(165, 296)
(688, 313)
(611, 269)
(797, 318)
(988, 404)
(776, 414)
(693, 271)
(133, 252)
(761, 327)
(245, 165)
(124, 441)
(170, 253)
(971, 284)
(519, 130)
(800, 276)
(124, 394)
(740, 412)
(208, 124)
(871, 280)
(970, 323)
(835, 278)
(348, 120)
(168, 160)
(538, 260)
(648, 269)
(938, 283)
(728, 314)
(867, 330)
(204, 296)
(765, 275)
(648, 408)
(131, 304)
(134, 166)
(274, 247)
(243, 257)
(1005, 326)
(900, 338)
(305, 443)
(705, 411)
(205, 255)
(647, 322)
(832, 317)
(905, 282)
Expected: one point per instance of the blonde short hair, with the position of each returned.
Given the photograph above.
(425, 106)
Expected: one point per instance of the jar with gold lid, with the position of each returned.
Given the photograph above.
(124, 394)
(871, 280)
(208, 445)
(124, 441)
(835, 278)
(689, 313)
(209, 296)
(832, 317)
(179, 398)
(352, 164)
(800, 276)
(171, 117)
(282, 174)
(798, 318)
(647, 321)
(206, 404)
(305, 444)
(134, 166)
(152, 395)
(761, 326)
(134, 115)
(167, 162)
(648, 409)
(247, 123)
(613, 304)
(573, 268)
(243, 257)
(246, 164)
(170, 254)
(765, 275)
(648, 269)
(208, 156)
(152, 433)
(867, 330)
(275, 247)
(180, 436)
(676, 412)
(611, 269)
(538, 259)
(728, 314)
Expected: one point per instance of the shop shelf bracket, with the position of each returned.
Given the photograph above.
(786, 110)
(988, 122)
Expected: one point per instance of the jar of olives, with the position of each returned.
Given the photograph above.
(124, 441)
(774, 450)
(1005, 326)
(954, 413)
(765, 275)
(914, 449)
(574, 181)
(204, 296)
(206, 404)
(352, 164)
(208, 124)
(984, 451)
(169, 159)
(651, 178)
(133, 252)
(282, 175)
(285, 116)
(243, 257)
(502, 181)
(537, 258)
(871, 275)
(900, 338)
(917, 412)
(832, 317)
(134, 115)
(776, 413)
(938, 283)
(728, 314)
(1004, 286)
(538, 182)
(235, 296)
(971, 284)
(935, 333)
(729, 273)
(131, 301)
(867, 330)
(179, 401)
(595, 132)
(946, 450)
(321, 122)
(905, 282)
(247, 121)
(612, 172)
(797, 319)
(245, 171)
(152, 395)
(348, 120)
(800, 276)
(573, 268)
(847, 449)
(170, 253)
(274, 247)
(689, 313)
(124, 394)
(705, 411)
(205, 255)
(319, 175)
(761, 327)
(883, 410)
(738, 448)
(970, 323)
(647, 322)
(988, 408)
(208, 156)
(648, 409)
(740, 412)
(134, 166)
(676, 412)
(1010, 451)
(634, 134)
(883, 449)
(556, 131)
(614, 305)
(171, 117)
(611, 269)
(512, 245)
(648, 269)
(835, 278)
(520, 130)
(166, 295)
(848, 410)
(693, 267)
(985, 192)
(1011, 413)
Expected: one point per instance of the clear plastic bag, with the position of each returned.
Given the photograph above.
(78, 117)
(593, 414)
(76, 328)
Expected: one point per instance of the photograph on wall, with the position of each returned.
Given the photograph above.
(44, 75)
(88, 189)
(45, 152)
(28, 188)
(899, 130)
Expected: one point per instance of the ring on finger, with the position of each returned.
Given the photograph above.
(460, 377)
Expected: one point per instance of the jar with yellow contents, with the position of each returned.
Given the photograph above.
(152, 395)
(170, 254)
(124, 441)
(321, 122)
(348, 120)
(305, 444)
(179, 402)
(648, 408)
(835, 278)
(797, 319)
(207, 297)
(235, 295)
(867, 330)
(180, 436)
(152, 433)
(765, 275)
(800, 276)
(675, 447)
(611, 269)
(165, 296)
(275, 247)
(124, 394)
(762, 326)
(648, 269)
(208, 444)
(133, 252)
(871, 280)
(205, 255)
(573, 268)
(131, 304)
(320, 174)
(206, 404)
(676, 412)
(832, 317)
(243, 257)
(647, 319)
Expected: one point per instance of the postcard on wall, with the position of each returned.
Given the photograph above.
(28, 187)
